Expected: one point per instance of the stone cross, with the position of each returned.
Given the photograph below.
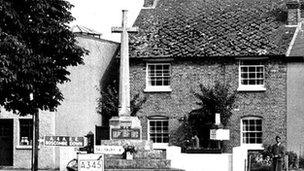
(124, 80)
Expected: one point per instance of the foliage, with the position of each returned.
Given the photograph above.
(216, 99)
(259, 161)
(182, 137)
(129, 148)
(292, 159)
(108, 103)
(36, 47)
(301, 162)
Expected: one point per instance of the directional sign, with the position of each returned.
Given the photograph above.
(108, 149)
(90, 162)
(63, 141)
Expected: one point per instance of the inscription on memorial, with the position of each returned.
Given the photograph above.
(125, 133)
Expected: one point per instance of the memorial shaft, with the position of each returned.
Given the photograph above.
(124, 78)
(124, 81)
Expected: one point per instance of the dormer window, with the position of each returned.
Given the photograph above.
(251, 75)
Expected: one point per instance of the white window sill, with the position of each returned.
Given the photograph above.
(253, 146)
(251, 88)
(157, 89)
(24, 147)
(161, 146)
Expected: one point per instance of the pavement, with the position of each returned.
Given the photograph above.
(20, 169)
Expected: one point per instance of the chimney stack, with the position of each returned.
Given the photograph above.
(293, 7)
(149, 3)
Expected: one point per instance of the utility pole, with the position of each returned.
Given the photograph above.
(35, 141)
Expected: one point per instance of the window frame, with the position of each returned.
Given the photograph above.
(251, 145)
(157, 118)
(19, 133)
(155, 88)
(257, 87)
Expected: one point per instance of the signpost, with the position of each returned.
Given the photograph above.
(125, 133)
(108, 149)
(63, 141)
(90, 162)
(219, 134)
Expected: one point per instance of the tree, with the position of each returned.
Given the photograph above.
(108, 103)
(36, 47)
(217, 99)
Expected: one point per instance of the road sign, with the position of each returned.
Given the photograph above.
(90, 162)
(63, 141)
(219, 134)
(108, 149)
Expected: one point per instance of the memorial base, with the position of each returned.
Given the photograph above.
(126, 132)
(125, 127)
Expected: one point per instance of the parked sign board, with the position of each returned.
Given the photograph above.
(90, 162)
(108, 149)
(63, 141)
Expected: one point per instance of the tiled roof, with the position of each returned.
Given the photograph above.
(85, 31)
(297, 49)
(188, 28)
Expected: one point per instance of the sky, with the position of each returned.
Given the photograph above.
(101, 15)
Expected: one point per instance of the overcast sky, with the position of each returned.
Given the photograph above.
(101, 15)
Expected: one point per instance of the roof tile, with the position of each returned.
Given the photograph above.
(186, 28)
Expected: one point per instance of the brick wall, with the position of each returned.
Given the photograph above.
(186, 77)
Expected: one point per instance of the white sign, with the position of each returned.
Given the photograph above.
(108, 149)
(219, 134)
(217, 119)
(212, 134)
(90, 162)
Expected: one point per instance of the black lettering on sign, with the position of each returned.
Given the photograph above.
(125, 133)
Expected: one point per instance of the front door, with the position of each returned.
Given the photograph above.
(6, 142)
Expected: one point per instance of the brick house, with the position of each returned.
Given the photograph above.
(182, 43)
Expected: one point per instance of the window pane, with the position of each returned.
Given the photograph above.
(244, 69)
(251, 82)
(245, 82)
(244, 75)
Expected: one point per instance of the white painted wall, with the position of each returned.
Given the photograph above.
(199, 162)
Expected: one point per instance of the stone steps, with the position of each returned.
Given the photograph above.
(111, 163)
(145, 158)
(141, 154)
(150, 154)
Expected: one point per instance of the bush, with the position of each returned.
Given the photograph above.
(301, 162)
(292, 159)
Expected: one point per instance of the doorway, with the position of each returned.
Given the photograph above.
(6, 142)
